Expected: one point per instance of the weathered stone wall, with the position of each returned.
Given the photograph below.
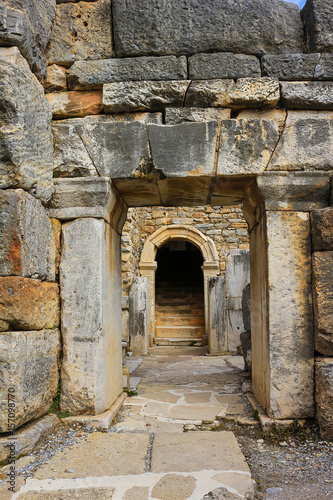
(141, 95)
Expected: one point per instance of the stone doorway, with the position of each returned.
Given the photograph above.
(179, 295)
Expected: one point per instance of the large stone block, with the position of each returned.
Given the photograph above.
(96, 144)
(120, 97)
(29, 371)
(85, 75)
(181, 27)
(322, 263)
(307, 95)
(183, 150)
(324, 396)
(246, 145)
(80, 31)
(246, 92)
(297, 191)
(27, 304)
(90, 278)
(138, 316)
(295, 67)
(322, 229)
(305, 144)
(290, 315)
(223, 65)
(173, 116)
(27, 244)
(55, 79)
(75, 104)
(237, 272)
(317, 15)
(16, 30)
(86, 197)
(40, 14)
(25, 132)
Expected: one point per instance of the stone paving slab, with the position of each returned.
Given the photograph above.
(190, 413)
(103, 454)
(193, 451)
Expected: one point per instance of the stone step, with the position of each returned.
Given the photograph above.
(174, 311)
(179, 331)
(180, 342)
(180, 321)
(194, 299)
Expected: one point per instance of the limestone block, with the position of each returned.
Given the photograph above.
(16, 31)
(40, 14)
(278, 115)
(318, 19)
(305, 144)
(290, 315)
(90, 279)
(322, 263)
(75, 104)
(80, 31)
(56, 78)
(173, 116)
(217, 332)
(93, 74)
(27, 304)
(28, 437)
(303, 191)
(86, 197)
(27, 245)
(324, 69)
(290, 66)
(246, 92)
(119, 97)
(183, 150)
(237, 272)
(322, 229)
(324, 396)
(179, 27)
(29, 366)
(307, 95)
(223, 65)
(246, 145)
(138, 316)
(26, 139)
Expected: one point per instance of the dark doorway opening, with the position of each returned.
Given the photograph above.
(179, 295)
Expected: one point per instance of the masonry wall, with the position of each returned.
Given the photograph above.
(244, 106)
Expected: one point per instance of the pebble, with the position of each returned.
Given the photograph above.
(283, 443)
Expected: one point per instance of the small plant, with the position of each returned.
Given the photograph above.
(130, 392)
(55, 407)
(256, 415)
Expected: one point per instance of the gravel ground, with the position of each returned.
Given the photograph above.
(288, 467)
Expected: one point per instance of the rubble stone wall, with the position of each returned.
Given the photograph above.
(179, 103)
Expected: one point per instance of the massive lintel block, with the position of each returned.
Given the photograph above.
(26, 140)
(27, 243)
(187, 27)
(29, 370)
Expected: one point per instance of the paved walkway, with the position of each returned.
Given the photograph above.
(163, 446)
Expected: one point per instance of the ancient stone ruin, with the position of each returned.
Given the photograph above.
(111, 105)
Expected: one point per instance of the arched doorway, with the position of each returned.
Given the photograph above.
(179, 294)
(149, 264)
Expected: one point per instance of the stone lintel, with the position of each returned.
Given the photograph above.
(88, 197)
(298, 191)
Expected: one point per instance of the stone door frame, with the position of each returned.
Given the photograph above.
(148, 266)
(276, 206)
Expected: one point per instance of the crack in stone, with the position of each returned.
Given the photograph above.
(149, 453)
(278, 141)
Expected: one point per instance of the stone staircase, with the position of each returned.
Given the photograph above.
(179, 313)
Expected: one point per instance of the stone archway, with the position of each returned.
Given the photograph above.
(148, 266)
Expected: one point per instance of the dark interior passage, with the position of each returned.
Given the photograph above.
(179, 298)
